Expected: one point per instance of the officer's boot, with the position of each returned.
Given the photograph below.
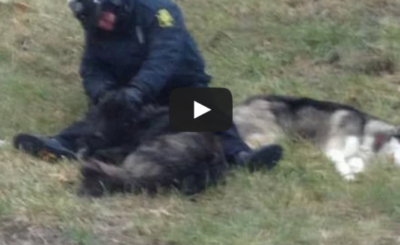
(265, 157)
(50, 149)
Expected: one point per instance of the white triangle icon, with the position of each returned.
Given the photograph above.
(200, 109)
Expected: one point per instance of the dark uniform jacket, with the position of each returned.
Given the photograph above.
(150, 49)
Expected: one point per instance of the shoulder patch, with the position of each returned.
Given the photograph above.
(164, 18)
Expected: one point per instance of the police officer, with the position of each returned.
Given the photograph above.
(142, 49)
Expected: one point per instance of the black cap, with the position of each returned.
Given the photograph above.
(86, 11)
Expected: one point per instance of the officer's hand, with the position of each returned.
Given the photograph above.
(132, 98)
(108, 99)
(124, 100)
(109, 105)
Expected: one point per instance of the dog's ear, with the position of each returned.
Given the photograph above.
(96, 168)
(113, 171)
(100, 177)
(91, 168)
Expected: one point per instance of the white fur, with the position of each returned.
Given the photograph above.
(392, 149)
(356, 164)
(350, 155)
(257, 125)
(341, 165)
(343, 152)
(395, 150)
(351, 145)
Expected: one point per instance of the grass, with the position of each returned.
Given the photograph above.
(342, 50)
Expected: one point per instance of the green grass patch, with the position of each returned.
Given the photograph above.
(343, 51)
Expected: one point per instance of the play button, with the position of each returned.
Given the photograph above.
(200, 109)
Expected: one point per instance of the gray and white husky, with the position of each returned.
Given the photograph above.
(349, 137)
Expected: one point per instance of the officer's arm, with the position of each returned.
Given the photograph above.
(96, 81)
(166, 47)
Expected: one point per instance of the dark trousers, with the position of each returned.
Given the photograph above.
(85, 127)
(231, 141)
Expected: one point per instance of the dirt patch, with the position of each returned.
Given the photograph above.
(383, 8)
(14, 232)
(331, 9)
(310, 71)
(367, 63)
(376, 66)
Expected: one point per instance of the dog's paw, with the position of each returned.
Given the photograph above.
(349, 177)
(356, 164)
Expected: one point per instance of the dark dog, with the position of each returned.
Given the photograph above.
(153, 155)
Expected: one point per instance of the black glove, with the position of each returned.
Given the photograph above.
(133, 99)
(123, 101)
